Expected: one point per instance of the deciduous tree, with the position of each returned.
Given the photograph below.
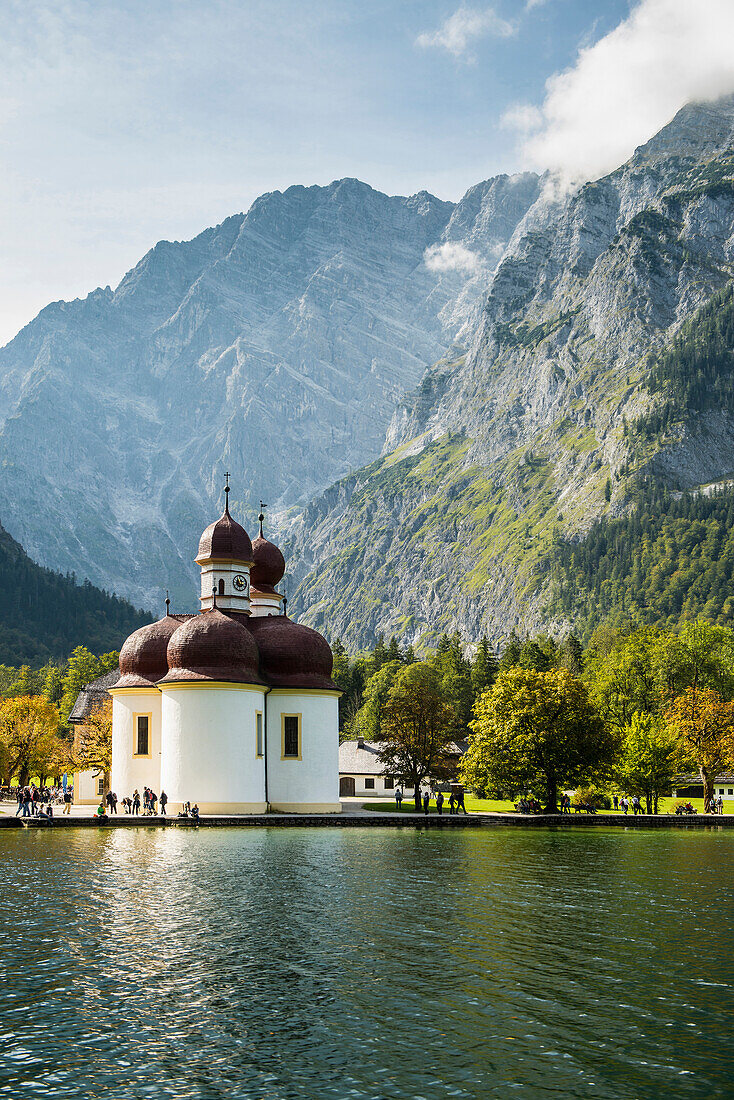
(652, 754)
(29, 727)
(416, 726)
(93, 743)
(705, 723)
(537, 731)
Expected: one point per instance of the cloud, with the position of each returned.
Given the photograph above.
(451, 256)
(463, 27)
(530, 4)
(629, 84)
(523, 117)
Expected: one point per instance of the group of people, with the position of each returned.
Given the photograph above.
(150, 801)
(36, 801)
(455, 801)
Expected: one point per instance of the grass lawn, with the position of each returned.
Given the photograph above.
(489, 805)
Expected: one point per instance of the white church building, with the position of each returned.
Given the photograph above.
(232, 708)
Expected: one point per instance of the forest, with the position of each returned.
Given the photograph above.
(671, 559)
(44, 615)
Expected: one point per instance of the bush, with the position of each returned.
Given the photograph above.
(593, 797)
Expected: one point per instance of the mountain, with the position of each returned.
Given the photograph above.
(45, 615)
(276, 345)
(515, 447)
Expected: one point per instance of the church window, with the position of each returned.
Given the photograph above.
(291, 736)
(369, 784)
(100, 785)
(258, 733)
(142, 735)
(221, 586)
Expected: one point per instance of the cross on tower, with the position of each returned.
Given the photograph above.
(226, 491)
(261, 517)
(168, 603)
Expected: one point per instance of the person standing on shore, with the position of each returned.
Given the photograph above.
(67, 801)
(615, 801)
(460, 802)
(398, 797)
(426, 800)
(20, 801)
(163, 801)
(439, 803)
(136, 801)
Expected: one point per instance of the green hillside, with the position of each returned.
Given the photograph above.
(44, 615)
(671, 558)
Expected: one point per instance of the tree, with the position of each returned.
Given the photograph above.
(93, 743)
(81, 669)
(484, 669)
(416, 726)
(369, 717)
(652, 755)
(625, 680)
(455, 674)
(537, 731)
(28, 731)
(705, 724)
(511, 653)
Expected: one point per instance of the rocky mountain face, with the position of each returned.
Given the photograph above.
(523, 436)
(276, 346)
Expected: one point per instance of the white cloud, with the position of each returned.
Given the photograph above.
(463, 27)
(629, 84)
(523, 117)
(530, 4)
(451, 256)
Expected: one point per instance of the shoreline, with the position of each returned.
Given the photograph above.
(372, 819)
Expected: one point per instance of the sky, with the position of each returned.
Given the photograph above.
(123, 123)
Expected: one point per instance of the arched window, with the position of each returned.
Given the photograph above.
(221, 586)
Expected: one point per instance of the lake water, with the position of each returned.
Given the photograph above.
(366, 963)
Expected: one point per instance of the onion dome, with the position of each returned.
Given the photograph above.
(292, 655)
(212, 646)
(224, 540)
(269, 563)
(143, 655)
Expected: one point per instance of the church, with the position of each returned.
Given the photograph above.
(232, 708)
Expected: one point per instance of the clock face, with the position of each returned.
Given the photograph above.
(239, 582)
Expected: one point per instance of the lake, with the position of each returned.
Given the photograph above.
(366, 963)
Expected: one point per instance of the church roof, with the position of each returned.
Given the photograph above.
(225, 540)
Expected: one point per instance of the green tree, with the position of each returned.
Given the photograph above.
(455, 676)
(369, 717)
(652, 755)
(416, 726)
(537, 731)
(625, 680)
(82, 667)
(511, 653)
(484, 669)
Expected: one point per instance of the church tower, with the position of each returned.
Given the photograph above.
(267, 571)
(225, 558)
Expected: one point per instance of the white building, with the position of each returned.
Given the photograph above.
(361, 772)
(233, 708)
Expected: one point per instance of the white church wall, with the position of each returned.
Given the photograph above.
(310, 783)
(209, 748)
(87, 788)
(130, 769)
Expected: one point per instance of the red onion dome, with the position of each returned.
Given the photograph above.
(226, 540)
(143, 654)
(269, 565)
(292, 655)
(212, 646)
